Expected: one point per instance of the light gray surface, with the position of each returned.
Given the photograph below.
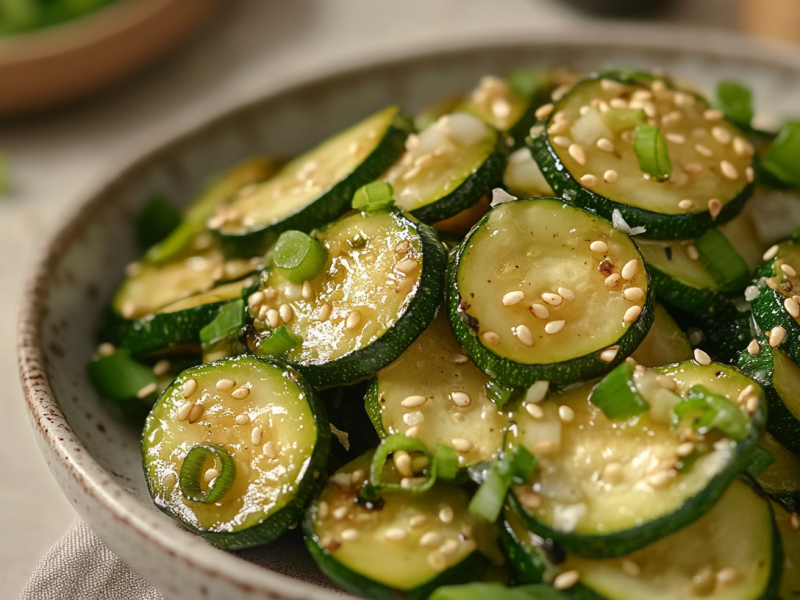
(251, 47)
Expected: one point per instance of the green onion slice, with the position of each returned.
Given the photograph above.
(445, 463)
(617, 395)
(514, 465)
(280, 341)
(762, 459)
(500, 394)
(651, 150)
(373, 196)
(119, 376)
(229, 320)
(524, 83)
(298, 256)
(722, 261)
(193, 472)
(711, 411)
(620, 119)
(390, 445)
(736, 101)
(497, 591)
(156, 221)
(783, 159)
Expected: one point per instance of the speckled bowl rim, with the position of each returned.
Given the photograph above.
(52, 430)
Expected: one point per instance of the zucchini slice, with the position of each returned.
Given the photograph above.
(404, 545)
(533, 558)
(788, 526)
(665, 342)
(733, 552)
(380, 287)
(607, 487)
(522, 177)
(528, 297)
(436, 390)
(447, 168)
(313, 188)
(781, 479)
(587, 155)
(267, 420)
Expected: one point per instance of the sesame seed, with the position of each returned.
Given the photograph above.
(161, 367)
(693, 168)
(512, 298)
(566, 414)
(598, 246)
(437, 560)
(106, 349)
(558, 128)
(395, 534)
(566, 293)
(685, 204)
(534, 410)
(752, 404)
(631, 314)
(749, 174)
(357, 477)
(413, 418)
(577, 152)
(691, 252)
(745, 393)
(721, 134)
(789, 270)
(545, 110)
(431, 539)
(446, 515)
(308, 291)
(323, 509)
(146, 390)
(791, 306)
(402, 462)
(589, 180)
(286, 312)
(402, 247)
(350, 535)
(241, 393)
(562, 141)
(196, 413)
(630, 567)
(617, 103)
(666, 382)
(460, 398)
(411, 173)
(584, 109)
(771, 252)
(727, 575)
(539, 311)
(224, 385)
(412, 431)
(605, 145)
(189, 388)
(341, 512)
(685, 449)
(612, 280)
(543, 447)
(274, 318)
(530, 500)
(449, 548)
(184, 410)
(255, 301)
(462, 445)
(554, 327)
(325, 312)
(703, 581)
(714, 207)
(210, 474)
(560, 117)
(776, 336)
(704, 150)
(407, 265)
(524, 335)
(256, 435)
(633, 294)
(676, 138)
(242, 419)
(630, 268)
(413, 401)
(753, 348)
(713, 115)
(728, 170)
(353, 319)
(613, 473)
(609, 354)
(552, 299)
(610, 176)
(742, 147)
(461, 359)
(614, 87)
(566, 580)
(701, 357)
(794, 521)
(490, 337)
(417, 521)
(683, 99)
(658, 479)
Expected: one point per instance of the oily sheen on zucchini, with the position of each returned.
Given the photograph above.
(665, 342)
(379, 289)
(606, 487)
(543, 290)
(269, 423)
(587, 154)
(315, 187)
(403, 545)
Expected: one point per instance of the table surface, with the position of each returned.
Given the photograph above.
(250, 47)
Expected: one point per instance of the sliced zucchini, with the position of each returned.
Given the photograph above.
(781, 479)
(447, 168)
(315, 187)
(733, 552)
(665, 342)
(607, 487)
(707, 168)
(788, 525)
(379, 289)
(404, 545)
(273, 429)
(533, 558)
(528, 297)
(436, 390)
(455, 228)
(523, 178)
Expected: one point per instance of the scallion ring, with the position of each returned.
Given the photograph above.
(193, 471)
(390, 445)
(651, 150)
(281, 340)
(298, 256)
(516, 464)
(617, 395)
(711, 411)
(736, 101)
(783, 159)
(620, 119)
(722, 261)
(229, 320)
(373, 196)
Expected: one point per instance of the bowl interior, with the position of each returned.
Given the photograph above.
(85, 261)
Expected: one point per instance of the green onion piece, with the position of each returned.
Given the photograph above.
(517, 464)
(193, 472)
(783, 159)
(722, 261)
(156, 221)
(736, 101)
(651, 150)
(524, 83)
(229, 320)
(617, 395)
(629, 76)
(390, 445)
(4, 177)
(620, 119)
(298, 256)
(711, 411)
(762, 459)
(497, 591)
(445, 462)
(500, 394)
(373, 196)
(523, 463)
(120, 377)
(280, 341)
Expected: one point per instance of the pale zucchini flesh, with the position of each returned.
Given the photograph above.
(665, 342)
(523, 178)
(790, 538)
(678, 259)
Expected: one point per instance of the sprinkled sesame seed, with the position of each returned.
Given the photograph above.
(693, 168)
(106, 349)
(224, 385)
(256, 435)
(666, 382)
(512, 298)
(630, 268)
(446, 515)
(577, 152)
(196, 413)
(721, 134)
(584, 109)
(613, 473)
(791, 306)
(161, 367)
(189, 388)
(610, 176)
(524, 335)
(490, 337)
(789, 270)
(534, 410)
(609, 85)
(357, 477)
(323, 509)
(728, 170)
(413, 418)
(407, 265)
(794, 521)
(713, 115)
(286, 312)
(749, 174)
(530, 500)
(609, 354)
(436, 560)
(566, 580)
(539, 311)
(417, 521)
(350, 535)
(658, 479)
(461, 359)
(752, 404)
(210, 474)
(691, 252)
(753, 348)
(353, 319)
(566, 414)
(552, 299)
(703, 581)
(413, 401)
(727, 575)
(598, 246)
(462, 445)
(431, 539)
(605, 145)
(341, 512)
(545, 110)
(255, 301)
(704, 150)
(543, 447)
(402, 461)
(714, 207)
(676, 138)
(274, 318)
(776, 336)
(146, 390)
(184, 410)
(685, 204)
(612, 280)
(566, 293)
(449, 548)
(557, 128)
(308, 291)
(395, 534)
(460, 398)
(771, 252)
(412, 431)
(325, 312)
(554, 327)
(683, 99)
(560, 116)
(589, 180)
(701, 357)
(742, 147)
(241, 393)
(633, 294)
(745, 393)
(685, 449)
(631, 314)
(562, 141)
(617, 103)
(242, 419)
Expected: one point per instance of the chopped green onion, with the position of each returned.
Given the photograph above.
(620, 119)
(736, 101)
(445, 462)
(229, 320)
(193, 472)
(156, 221)
(651, 150)
(762, 459)
(119, 376)
(617, 395)
(497, 591)
(280, 341)
(298, 256)
(524, 83)
(390, 445)
(500, 394)
(711, 411)
(517, 464)
(783, 159)
(722, 261)
(373, 196)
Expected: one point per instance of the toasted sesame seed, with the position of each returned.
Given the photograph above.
(771, 252)
(323, 509)
(417, 521)
(353, 319)
(560, 117)
(286, 312)
(106, 349)
(613, 473)
(325, 312)
(196, 413)
(617, 103)
(605, 145)
(776, 336)
(554, 327)
(589, 180)
(407, 265)
(446, 515)
(703, 581)
(189, 388)
(350, 535)
(566, 293)
(714, 207)
(749, 389)
(530, 500)
(256, 435)
(566, 580)
(556, 128)
(460, 398)
(224, 385)
(633, 294)
(658, 479)
(666, 382)
(683, 99)
(308, 291)
(413, 418)
(412, 431)
(357, 477)
(210, 474)
(552, 299)
(752, 404)
(676, 138)
(436, 560)
(402, 247)
(242, 419)
(598, 246)
(704, 150)
(413, 401)
(728, 170)
(562, 141)
(184, 410)
(512, 298)
(610, 176)
(630, 268)
(241, 393)
(545, 110)
(461, 359)
(742, 147)
(449, 548)
(161, 367)
(340, 513)
(524, 335)
(543, 447)
(402, 462)
(395, 534)
(685, 449)
(789, 270)
(630, 568)
(685, 204)
(713, 114)
(721, 134)
(255, 301)
(274, 318)
(753, 348)
(146, 390)
(693, 168)
(534, 410)
(632, 314)
(612, 280)
(540, 311)
(577, 152)
(584, 109)
(566, 414)
(462, 445)
(701, 357)
(431, 539)
(791, 306)
(749, 174)
(794, 521)
(727, 575)
(490, 337)
(609, 85)
(609, 354)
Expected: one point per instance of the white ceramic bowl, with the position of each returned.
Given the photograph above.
(94, 458)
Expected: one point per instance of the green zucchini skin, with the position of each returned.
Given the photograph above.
(373, 408)
(725, 333)
(768, 312)
(340, 403)
(517, 375)
(332, 204)
(686, 297)
(528, 567)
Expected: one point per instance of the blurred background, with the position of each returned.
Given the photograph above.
(84, 83)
